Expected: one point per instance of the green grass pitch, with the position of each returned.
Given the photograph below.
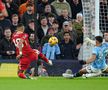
(54, 83)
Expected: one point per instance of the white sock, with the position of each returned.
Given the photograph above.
(93, 74)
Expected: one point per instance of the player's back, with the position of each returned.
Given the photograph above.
(100, 61)
(26, 49)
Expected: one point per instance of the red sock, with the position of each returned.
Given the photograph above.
(21, 75)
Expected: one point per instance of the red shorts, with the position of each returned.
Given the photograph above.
(25, 61)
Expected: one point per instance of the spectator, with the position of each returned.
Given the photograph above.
(7, 48)
(63, 17)
(67, 27)
(4, 22)
(73, 32)
(15, 21)
(3, 9)
(55, 26)
(30, 28)
(49, 9)
(19, 2)
(43, 29)
(51, 51)
(49, 1)
(33, 41)
(67, 47)
(51, 17)
(23, 8)
(51, 32)
(11, 8)
(60, 5)
(78, 25)
(28, 14)
(41, 6)
(1, 33)
(76, 7)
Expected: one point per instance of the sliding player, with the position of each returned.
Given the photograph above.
(96, 63)
(24, 52)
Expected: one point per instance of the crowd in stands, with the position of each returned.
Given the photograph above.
(42, 19)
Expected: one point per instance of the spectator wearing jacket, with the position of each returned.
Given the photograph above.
(60, 5)
(7, 48)
(67, 47)
(28, 15)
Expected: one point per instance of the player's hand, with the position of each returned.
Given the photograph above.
(50, 62)
(18, 56)
(82, 62)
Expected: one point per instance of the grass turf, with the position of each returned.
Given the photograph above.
(54, 83)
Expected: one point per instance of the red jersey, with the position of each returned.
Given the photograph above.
(26, 49)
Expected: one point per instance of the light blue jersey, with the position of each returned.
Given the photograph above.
(105, 44)
(100, 53)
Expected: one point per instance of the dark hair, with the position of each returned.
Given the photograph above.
(51, 15)
(31, 20)
(99, 39)
(66, 33)
(42, 17)
(6, 28)
(14, 15)
(55, 22)
(29, 4)
(50, 28)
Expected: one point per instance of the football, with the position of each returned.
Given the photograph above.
(53, 41)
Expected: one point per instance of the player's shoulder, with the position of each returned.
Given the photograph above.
(105, 44)
(99, 49)
(14, 35)
(96, 49)
(25, 34)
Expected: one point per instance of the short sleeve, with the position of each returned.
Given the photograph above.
(95, 51)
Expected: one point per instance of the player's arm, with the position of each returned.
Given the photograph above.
(91, 59)
(20, 46)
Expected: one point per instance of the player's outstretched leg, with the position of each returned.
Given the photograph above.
(80, 73)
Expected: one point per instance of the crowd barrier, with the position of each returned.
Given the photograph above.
(59, 66)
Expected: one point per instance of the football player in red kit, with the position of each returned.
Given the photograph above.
(24, 52)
